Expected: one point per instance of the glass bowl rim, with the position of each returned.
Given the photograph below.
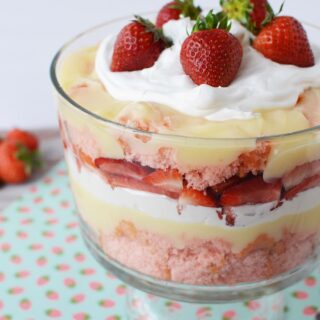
(65, 96)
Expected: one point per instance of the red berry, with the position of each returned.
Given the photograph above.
(17, 136)
(211, 57)
(137, 47)
(174, 9)
(123, 168)
(285, 41)
(252, 191)
(167, 13)
(12, 170)
(170, 180)
(196, 198)
(259, 13)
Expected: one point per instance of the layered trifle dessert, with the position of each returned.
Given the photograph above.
(192, 143)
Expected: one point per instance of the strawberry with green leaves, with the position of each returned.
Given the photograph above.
(281, 39)
(138, 46)
(23, 137)
(253, 14)
(211, 54)
(16, 162)
(176, 9)
(285, 41)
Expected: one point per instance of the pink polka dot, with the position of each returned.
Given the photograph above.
(43, 280)
(57, 250)
(52, 295)
(22, 235)
(47, 180)
(310, 311)
(25, 304)
(230, 314)
(55, 192)
(38, 200)
(16, 259)
(48, 210)
(71, 238)
(48, 234)
(5, 247)
(15, 290)
(54, 313)
(41, 261)
(78, 298)
(36, 246)
(69, 282)
(107, 303)
(97, 286)
(81, 316)
(24, 209)
(26, 221)
(62, 267)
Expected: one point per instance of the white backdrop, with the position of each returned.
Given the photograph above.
(31, 32)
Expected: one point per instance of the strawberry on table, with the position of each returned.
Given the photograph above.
(250, 13)
(285, 41)
(16, 162)
(211, 55)
(25, 138)
(174, 9)
(252, 191)
(138, 46)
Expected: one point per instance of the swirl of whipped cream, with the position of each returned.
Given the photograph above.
(260, 83)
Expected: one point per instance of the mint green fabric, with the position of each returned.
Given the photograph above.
(46, 271)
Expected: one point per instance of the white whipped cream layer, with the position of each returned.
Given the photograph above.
(260, 83)
(164, 208)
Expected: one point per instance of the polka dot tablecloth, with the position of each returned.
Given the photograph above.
(47, 273)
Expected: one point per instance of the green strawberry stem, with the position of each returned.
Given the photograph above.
(211, 21)
(187, 8)
(150, 27)
(31, 159)
(241, 10)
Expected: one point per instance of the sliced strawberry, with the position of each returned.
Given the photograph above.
(308, 183)
(220, 187)
(196, 198)
(300, 173)
(170, 180)
(251, 191)
(123, 168)
(131, 183)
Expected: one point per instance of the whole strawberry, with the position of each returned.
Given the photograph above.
(285, 41)
(17, 136)
(138, 46)
(252, 14)
(173, 10)
(211, 55)
(16, 162)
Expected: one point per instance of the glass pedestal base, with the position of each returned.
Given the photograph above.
(142, 306)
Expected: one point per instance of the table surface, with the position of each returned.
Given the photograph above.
(51, 151)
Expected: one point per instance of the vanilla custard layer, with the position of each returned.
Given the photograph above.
(80, 82)
(104, 217)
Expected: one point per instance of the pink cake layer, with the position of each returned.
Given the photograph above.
(206, 262)
(198, 178)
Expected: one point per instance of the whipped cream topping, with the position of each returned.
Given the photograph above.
(164, 208)
(260, 83)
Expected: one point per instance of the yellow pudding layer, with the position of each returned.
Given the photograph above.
(78, 79)
(105, 218)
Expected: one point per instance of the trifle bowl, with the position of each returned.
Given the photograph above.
(196, 210)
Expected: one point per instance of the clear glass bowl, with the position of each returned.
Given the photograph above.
(154, 243)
